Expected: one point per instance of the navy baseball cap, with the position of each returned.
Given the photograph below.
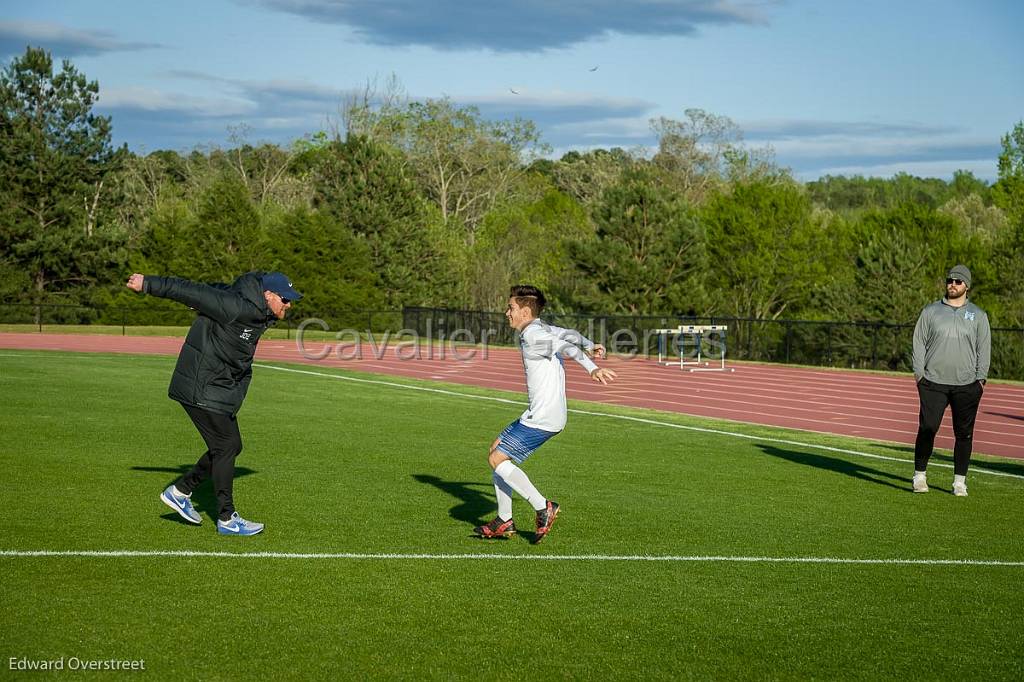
(280, 285)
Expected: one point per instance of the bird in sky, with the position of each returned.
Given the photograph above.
(594, 69)
(513, 91)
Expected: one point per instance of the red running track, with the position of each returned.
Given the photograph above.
(867, 405)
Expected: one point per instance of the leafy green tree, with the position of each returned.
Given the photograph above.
(965, 184)
(225, 238)
(265, 169)
(704, 153)
(1008, 192)
(694, 151)
(1008, 252)
(858, 194)
(900, 256)
(841, 193)
(329, 264)
(463, 163)
(309, 153)
(1005, 277)
(365, 186)
(761, 236)
(648, 252)
(974, 217)
(585, 176)
(929, 192)
(837, 247)
(894, 274)
(160, 249)
(526, 242)
(139, 188)
(160, 246)
(55, 158)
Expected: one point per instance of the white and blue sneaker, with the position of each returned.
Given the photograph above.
(236, 525)
(181, 504)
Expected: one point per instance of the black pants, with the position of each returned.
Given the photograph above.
(223, 443)
(964, 401)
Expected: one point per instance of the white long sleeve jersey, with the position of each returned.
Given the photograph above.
(543, 346)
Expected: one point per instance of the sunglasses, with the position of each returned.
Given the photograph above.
(954, 280)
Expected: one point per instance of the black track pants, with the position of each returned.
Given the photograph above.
(223, 443)
(964, 402)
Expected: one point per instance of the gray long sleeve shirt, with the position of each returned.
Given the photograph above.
(952, 346)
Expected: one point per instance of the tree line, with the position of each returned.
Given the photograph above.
(427, 203)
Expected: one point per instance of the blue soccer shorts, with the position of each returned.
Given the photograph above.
(519, 441)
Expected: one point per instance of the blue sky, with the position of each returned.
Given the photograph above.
(833, 86)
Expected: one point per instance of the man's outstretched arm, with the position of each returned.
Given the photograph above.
(211, 301)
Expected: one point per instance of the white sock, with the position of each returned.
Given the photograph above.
(520, 482)
(179, 493)
(503, 492)
(919, 473)
(957, 478)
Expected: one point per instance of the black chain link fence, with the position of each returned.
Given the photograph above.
(859, 345)
(45, 316)
(862, 345)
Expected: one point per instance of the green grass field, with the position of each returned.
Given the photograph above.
(367, 469)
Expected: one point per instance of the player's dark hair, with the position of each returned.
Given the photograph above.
(530, 297)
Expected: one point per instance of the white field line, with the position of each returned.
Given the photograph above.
(654, 422)
(143, 554)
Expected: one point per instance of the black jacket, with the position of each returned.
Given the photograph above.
(215, 364)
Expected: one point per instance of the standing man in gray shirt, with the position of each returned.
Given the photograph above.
(952, 351)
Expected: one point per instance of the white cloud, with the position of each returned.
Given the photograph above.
(147, 99)
(982, 168)
(856, 146)
(638, 129)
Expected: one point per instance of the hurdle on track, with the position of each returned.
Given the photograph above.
(697, 332)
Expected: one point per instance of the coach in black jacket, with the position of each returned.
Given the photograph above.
(212, 375)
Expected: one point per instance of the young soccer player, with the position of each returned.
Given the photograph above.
(543, 347)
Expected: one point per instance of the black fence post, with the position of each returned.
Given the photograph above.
(874, 346)
(828, 344)
(789, 334)
(124, 321)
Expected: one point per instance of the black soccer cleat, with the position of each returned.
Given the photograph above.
(545, 519)
(496, 529)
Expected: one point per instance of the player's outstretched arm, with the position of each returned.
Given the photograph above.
(575, 337)
(603, 375)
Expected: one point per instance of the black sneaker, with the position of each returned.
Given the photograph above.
(496, 529)
(545, 519)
